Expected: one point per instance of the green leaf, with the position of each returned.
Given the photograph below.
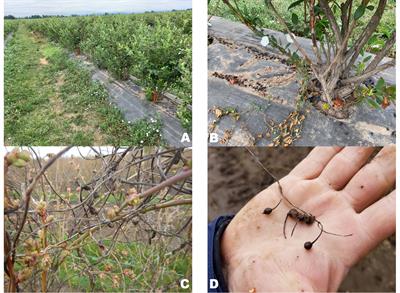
(317, 9)
(379, 100)
(366, 59)
(359, 12)
(391, 90)
(380, 84)
(295, 56)
(370, 7)
(295, 19)
(373, 104)
(295, 3)
(360, 67)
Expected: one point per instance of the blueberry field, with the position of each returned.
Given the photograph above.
(51, 85)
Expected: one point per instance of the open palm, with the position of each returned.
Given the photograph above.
(344, 192)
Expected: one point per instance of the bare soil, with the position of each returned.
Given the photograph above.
(233, 179)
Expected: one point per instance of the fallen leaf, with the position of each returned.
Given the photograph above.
(338, 103)
(385, 103)
(218, 113)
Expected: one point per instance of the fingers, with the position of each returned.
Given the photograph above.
(344, 165)
(373, 181)
(312, 166)
(379, 220)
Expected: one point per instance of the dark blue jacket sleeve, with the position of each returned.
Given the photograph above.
(215, 230)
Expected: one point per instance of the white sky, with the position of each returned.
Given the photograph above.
(21, 8)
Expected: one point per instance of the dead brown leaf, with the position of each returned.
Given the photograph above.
(218, 112)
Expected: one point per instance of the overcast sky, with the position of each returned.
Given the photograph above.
(22, 8)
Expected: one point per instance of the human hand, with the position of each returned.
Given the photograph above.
(344, 193)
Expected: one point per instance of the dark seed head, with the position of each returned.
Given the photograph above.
(308, 245)
(309, 220)
(267, 211)
(293, 213)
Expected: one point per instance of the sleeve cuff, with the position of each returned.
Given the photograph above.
(215, 230)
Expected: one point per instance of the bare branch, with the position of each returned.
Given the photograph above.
(360, 78)
(67, 232)
(355, 50)
(169, 204)
(29, 191)
(313, 33)
(292, 36)
(345, 15)
(331, 18)
(166, 183)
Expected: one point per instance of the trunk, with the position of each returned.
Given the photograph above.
(332, 93)
(344, 92)
(328, 85)
(331, 90)
(331, 85)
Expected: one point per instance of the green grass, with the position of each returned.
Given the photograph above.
(51, 100)
(257, 9)
(141, 259)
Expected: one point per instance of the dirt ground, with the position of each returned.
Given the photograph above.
(233, 178)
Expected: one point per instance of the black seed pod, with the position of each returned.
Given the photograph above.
(308, 245)
(267, 211)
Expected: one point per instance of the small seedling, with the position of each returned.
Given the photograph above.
(295, 213)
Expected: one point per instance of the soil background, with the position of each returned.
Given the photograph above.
(234, 178)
